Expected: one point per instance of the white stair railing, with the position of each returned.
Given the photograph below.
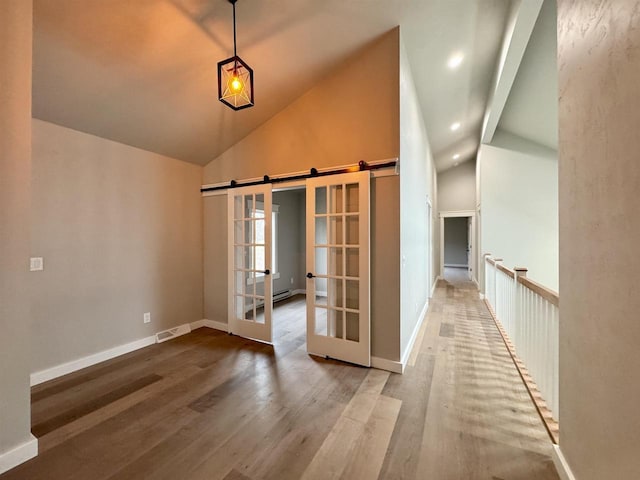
(528, 315)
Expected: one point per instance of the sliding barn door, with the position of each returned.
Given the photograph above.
(338, 322)
(250, 248)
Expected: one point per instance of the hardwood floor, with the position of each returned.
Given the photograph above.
(212, 406)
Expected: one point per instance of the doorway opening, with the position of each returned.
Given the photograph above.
(289, 262)
(457, 256)
(288, 265)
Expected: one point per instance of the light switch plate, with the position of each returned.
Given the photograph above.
(36, 264)
(147, 317)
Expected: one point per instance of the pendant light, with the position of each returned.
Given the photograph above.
(235, 77)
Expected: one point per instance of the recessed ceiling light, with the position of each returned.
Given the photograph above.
(456, 156)
(455, 126)
(455, 60)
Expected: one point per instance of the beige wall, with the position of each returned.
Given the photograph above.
(120, 230)
(457, 188)
(351, 115)
(599, 67)
(15, 189)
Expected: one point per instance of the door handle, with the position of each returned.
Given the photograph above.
(310, 275)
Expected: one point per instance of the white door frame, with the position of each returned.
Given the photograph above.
(326, 344)
(430, 225)
(244, 327)
(459, 213)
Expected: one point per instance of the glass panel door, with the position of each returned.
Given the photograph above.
(338, 322)
(250, 281)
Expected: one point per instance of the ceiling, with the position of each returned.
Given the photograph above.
(531, 110)
(144, 72)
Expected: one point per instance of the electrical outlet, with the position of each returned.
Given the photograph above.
(291, 280)
(36, 264)
(147, 317)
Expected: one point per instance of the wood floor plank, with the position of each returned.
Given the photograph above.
(335, 453)
(86, 408)
(369, 451)
(92, 419)
(224, 407)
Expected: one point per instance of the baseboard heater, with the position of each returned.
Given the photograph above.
(283, 295)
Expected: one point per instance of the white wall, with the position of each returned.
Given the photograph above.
(519, 205)
(416, 186)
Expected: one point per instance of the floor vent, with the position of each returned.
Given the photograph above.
(172, 333)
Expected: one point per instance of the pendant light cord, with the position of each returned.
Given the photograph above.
(234, 30)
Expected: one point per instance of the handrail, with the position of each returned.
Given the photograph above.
(504, 269)
(546, 293)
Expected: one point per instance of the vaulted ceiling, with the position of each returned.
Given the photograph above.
(143, 72)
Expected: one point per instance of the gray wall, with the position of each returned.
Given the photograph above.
(291, 244)
(456, 233)
(599, 61)
(15, 190)
(457, 188)
(120, 230)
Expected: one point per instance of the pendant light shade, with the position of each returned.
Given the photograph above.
(235, 77)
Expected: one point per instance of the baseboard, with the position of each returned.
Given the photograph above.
(298, 292)
(414, 335)
(216, 325)
(455, 265)
(435, 285)
(18, 455)
(388, 365)
(84, 362)
(564, 471)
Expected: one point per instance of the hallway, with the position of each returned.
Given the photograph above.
(480, 422)
(209, 405)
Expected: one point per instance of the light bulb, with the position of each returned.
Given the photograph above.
(236, 85)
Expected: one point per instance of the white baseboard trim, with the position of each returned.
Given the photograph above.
(298, 292)
(84, 362)
(216, 325)
(407, 351)
(456, 265)
(17, 455)
(435, 284)
(388, 365)
(564, 471)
